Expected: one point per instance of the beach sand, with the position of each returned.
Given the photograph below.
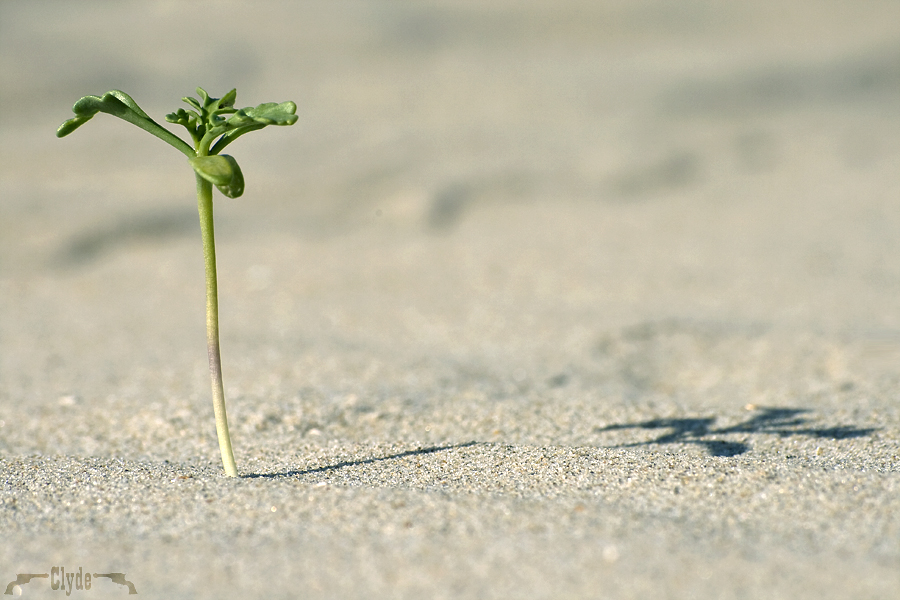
(536, 300)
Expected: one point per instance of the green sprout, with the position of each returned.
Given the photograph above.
(213, 124)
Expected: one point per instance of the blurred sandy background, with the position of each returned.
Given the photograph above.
(544, 227)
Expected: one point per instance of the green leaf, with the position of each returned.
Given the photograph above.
(71, 125)
(119, 104)
(192, 101)
(128, 101)
(215, 169)
(222, 171)
(227, 101)
(203, 96)
(85, 108)
(183, 117)
(250, 119)
(268, 113)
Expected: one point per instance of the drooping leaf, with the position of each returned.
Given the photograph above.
(235, 187)
(119, 104)
(71, 125)
(88, 106)
(215, 169)
(222, 170)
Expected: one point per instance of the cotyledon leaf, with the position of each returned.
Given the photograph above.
(119, 104)
(222, 170)
(114, 102)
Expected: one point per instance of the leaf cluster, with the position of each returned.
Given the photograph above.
(212, 123)
(211, 118)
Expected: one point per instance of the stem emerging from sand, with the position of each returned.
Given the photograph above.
(212, 123)
(207, 230)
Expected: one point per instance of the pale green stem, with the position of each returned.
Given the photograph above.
(205, 207)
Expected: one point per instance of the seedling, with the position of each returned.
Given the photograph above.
(213, 123)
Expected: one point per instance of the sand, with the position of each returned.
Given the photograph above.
(536, 300)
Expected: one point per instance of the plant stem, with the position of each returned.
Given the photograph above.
(205, 207)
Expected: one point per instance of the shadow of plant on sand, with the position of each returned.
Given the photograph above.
(783, 422)
(362, 461)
